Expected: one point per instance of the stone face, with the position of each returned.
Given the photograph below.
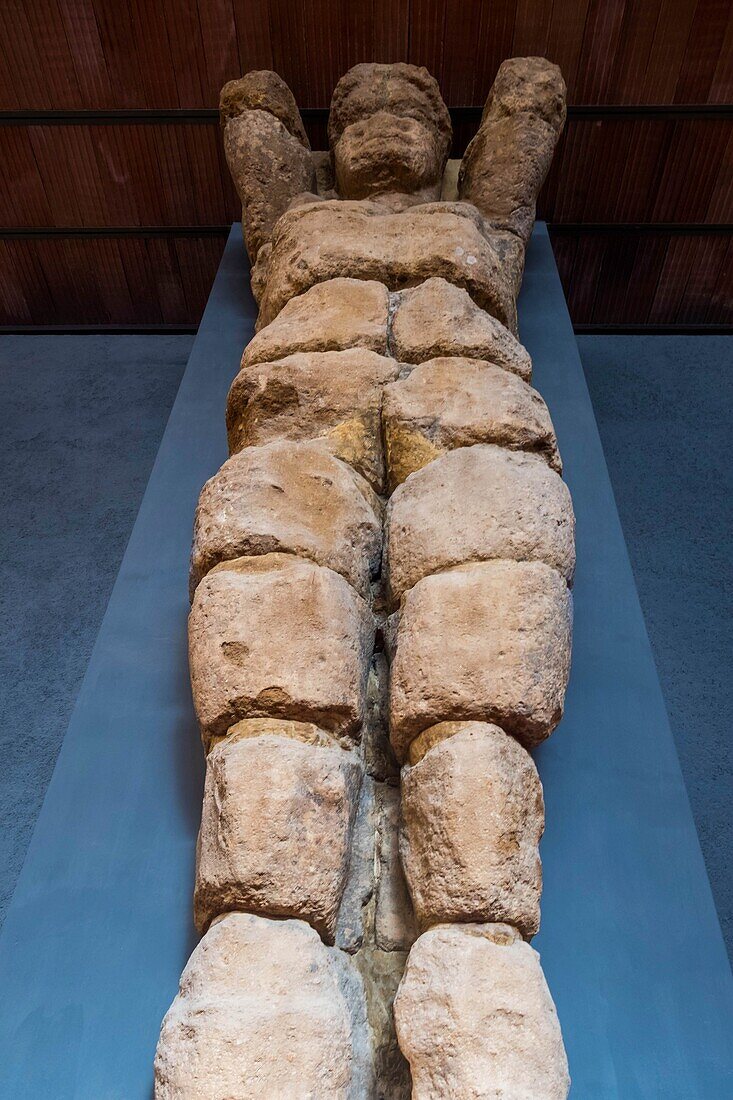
(449, 403)
(475, 1018)
(335, 396)
(473, 816)
(506, 162)
(269, 167)
(332, 316)
(406, 91)
(394, 917)
(323, 241)
(290, 497)
(382, 971)
(262, 90)
(438, 318)
(487, 642)
(386, 153)
(278, 637)
(476, 504)
(275, 830)
(264, 1009)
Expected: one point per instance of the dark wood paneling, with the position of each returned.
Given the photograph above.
(106, 281)
(647, 279)
(133, 54)
(178, 53)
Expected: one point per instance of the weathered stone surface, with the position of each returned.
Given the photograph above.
(332, 316)
(449, 403)
(394, 918)
(386, 153)
(475, 504)
(333, 395)
(269, 167)
(322, 241)
(276, 830)
(291, 497)
(475, 1018)
(354, 914)
(506, 162)
(276, 636)
(407, 91)
(265, 1010)
(487, 642)
(262, 90)
(438, 318)
(379, 759)
(473, 815)
(382, 971)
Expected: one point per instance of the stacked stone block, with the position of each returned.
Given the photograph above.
(381, 615)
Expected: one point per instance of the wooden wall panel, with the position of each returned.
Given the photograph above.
(97, 54)
(176, 54)
(107, 281)
(648, 279)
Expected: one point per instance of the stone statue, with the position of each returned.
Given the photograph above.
(381, 614)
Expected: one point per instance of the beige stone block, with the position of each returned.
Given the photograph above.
(438, 318)
(269, 167)
(406, 91)
(477, 504)
(265, 1010)
(322, 241)
(290, 497)
(332, 316)
(472, 818)
(262, 90)
(476, 1020)
(276, 830)
(279, 637)
(486, 642)
(448, 403)
(335, 396)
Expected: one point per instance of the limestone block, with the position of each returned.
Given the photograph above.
(407, 91)
(473, 815)
(265, 1010)
(475, 1018)
(276, 830)
(262, 90)
(278, 637)
(506, 163)
(385, 153)
(332, 316)
(488, 642)
(449, 403)
(291, 497)
(269, 167)
(438, 318)
(322, 241)
(475, 504)
(394, 917)
(332, 395)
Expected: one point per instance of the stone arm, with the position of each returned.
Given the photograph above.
(505, 164)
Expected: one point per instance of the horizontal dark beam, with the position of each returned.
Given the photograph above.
(44, 232)
(671, 229)
(185, 330)
(96, 330)
(209, 116)
(666, 229)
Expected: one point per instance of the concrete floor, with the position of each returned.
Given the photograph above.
(84, 416)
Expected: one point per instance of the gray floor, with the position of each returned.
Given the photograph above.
(83, 419)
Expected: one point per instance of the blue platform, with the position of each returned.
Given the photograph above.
(100, 924)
